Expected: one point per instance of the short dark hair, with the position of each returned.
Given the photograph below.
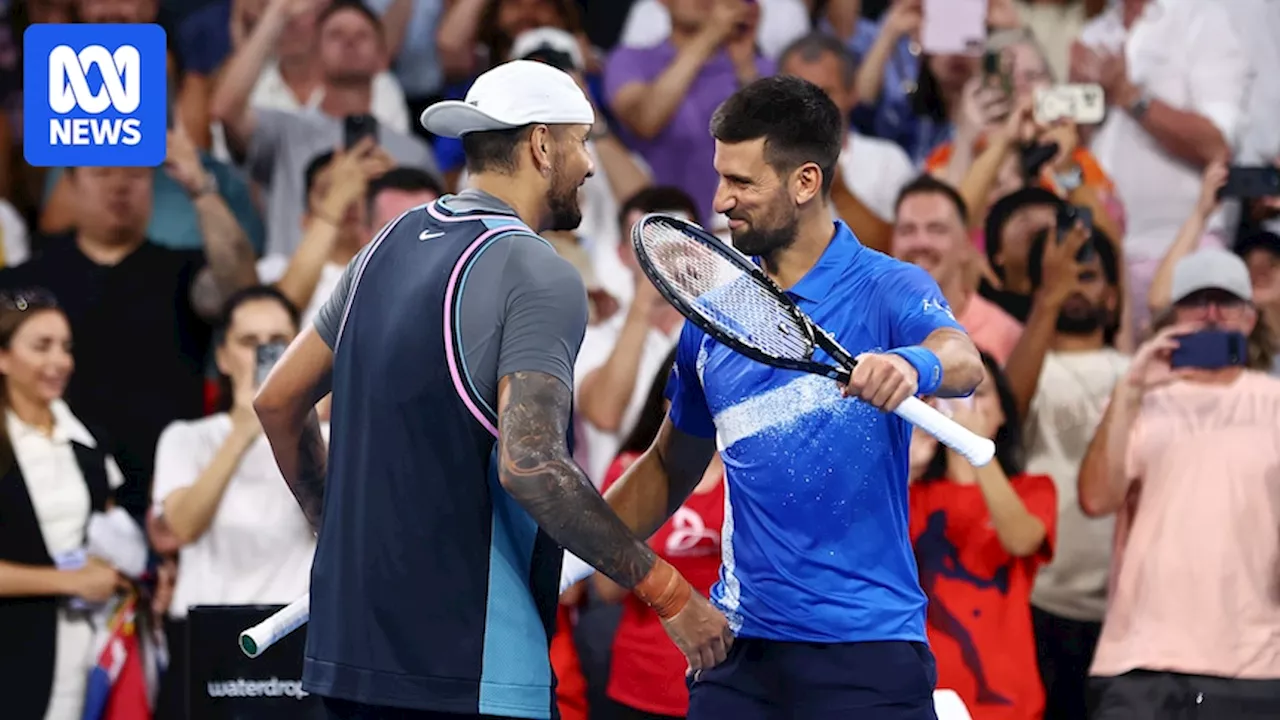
(658, 198)
(929, 185)
(797, 120)
(812, 47)
(493, 150)
(248, 295)
(358, 6)
(404, 179)
(312, 174)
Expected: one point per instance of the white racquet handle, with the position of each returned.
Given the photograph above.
(256, 640)
(977, 450)
(573, 571)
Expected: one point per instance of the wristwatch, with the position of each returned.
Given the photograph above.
(208, 184)
(1139, 107)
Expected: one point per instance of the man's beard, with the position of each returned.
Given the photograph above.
(562, 201)
(1081, 320)
(764, 242)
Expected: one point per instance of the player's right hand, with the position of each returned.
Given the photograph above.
(701, 632)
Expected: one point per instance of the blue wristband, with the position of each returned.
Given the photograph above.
(927, 365)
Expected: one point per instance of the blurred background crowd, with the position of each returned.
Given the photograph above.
(134, 300)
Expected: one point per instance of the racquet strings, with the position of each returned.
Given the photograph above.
(724, 294)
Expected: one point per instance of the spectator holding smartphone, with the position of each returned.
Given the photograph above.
(219, 500)
(980, 535)
(995, 120)
(1188, 457)
(1061, 372)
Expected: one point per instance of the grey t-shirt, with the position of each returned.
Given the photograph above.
(523, 307)
(282, 146)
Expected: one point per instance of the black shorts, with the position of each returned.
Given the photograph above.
(1147, 695)
(769, 680)
(346, 710)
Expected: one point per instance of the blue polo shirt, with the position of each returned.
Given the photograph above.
(815, 541)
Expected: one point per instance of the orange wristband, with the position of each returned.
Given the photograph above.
(664, 590)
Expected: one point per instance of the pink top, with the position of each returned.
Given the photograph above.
(1196, 566)
(993, 330)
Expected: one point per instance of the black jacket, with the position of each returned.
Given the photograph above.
(29, 625)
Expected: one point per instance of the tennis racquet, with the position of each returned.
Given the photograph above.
(256, 640)
(723, 292)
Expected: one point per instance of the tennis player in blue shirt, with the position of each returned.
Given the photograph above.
(818, 581)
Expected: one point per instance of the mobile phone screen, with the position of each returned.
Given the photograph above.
(267, 356)
(357, 127)
(1251, 182)
(954, 27)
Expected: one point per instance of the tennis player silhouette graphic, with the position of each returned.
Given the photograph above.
(938, 557)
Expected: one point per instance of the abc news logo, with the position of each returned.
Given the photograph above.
(69, 91)
(97, 95)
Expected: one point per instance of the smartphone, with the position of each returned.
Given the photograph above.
(1067, 218)
(954, 27)
(1251, 182)
(993, 73)
(1211, 350)
(1033, 158)
(1083, 104)
(357, 127)
(268, 355)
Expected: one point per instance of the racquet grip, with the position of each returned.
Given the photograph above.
(976, 449)
(664, 589)
(256, 640)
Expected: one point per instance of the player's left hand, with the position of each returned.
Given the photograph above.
(884, 381)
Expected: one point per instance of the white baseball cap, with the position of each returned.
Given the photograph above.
(550, 39)
(1211, 269)
(511, 95)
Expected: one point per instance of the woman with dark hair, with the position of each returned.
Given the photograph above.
(218, 498)
(53, 478)
(647, 672)
(980, 535)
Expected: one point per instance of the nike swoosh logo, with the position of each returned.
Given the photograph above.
(430, 235)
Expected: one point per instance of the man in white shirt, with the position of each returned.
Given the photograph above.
(1176, 80)
(620, 356)
(351, 197)
(276, 145)
(871, 170)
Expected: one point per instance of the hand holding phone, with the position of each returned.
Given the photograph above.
(1067, 219)
(1251, 182)
(1211, 349)
(357, 127)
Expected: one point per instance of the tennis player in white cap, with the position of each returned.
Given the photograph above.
(449, 346)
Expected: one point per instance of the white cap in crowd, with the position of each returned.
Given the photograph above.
(512, 95)
(548, 41)
(1211, 269)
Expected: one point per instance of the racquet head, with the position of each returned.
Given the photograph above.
(722, 291)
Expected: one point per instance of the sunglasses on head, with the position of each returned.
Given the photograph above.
(27, 299)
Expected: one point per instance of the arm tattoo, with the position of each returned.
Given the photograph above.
(536, 469)
(312, 465)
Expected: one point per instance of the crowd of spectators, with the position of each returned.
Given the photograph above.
(1123, 547)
